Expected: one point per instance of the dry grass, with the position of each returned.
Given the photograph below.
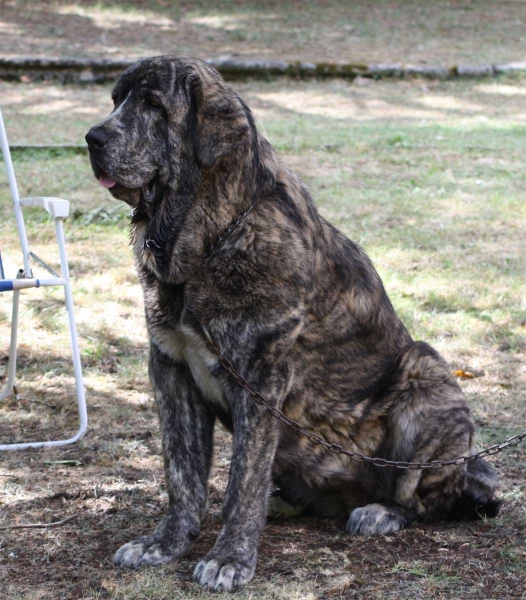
(357, 31)
(430, 180)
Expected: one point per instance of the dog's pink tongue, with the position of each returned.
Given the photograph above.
(106, 181)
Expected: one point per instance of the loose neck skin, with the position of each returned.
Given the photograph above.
(177, 221)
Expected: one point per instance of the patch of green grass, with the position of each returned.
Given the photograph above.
(413, 569)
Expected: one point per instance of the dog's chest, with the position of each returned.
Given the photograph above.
(201, 363)
(184, 344)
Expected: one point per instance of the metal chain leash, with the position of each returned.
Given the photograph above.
(336, 448)
(314, 437)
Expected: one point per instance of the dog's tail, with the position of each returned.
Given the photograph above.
(478, 500)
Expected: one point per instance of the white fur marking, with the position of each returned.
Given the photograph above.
(116, 111)
(185, 344)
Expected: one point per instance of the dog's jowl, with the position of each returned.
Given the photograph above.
(228, 244)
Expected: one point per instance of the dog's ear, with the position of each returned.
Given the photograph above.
(221, 119)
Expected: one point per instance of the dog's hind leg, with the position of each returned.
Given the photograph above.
(478, 496)
(429, 420)
(187, 434)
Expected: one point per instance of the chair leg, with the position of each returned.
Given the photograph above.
(11, 366)
(81, 400)
(77, 367)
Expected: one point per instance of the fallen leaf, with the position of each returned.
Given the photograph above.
(110, 586)
(463, 374)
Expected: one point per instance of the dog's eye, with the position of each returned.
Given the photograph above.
(154, 103)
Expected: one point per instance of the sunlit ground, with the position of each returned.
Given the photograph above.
(386, 31)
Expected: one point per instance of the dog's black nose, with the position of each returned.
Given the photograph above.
(97, 137)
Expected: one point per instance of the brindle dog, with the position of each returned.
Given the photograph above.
(300, 312)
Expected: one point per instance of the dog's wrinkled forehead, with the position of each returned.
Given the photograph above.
(165, 75)
(149, 73)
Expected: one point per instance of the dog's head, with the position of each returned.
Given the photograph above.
(167, 110)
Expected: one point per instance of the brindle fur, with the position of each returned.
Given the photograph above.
(296, 307)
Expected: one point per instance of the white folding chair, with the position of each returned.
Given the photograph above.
(58, 210)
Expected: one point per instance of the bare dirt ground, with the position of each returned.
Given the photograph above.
(445, 32)
(429, 178)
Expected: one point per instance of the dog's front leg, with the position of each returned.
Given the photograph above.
(232, 561)
(187, 439)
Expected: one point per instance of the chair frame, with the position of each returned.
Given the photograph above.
(58, 210)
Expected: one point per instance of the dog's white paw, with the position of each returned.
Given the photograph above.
(143, 551)
(376, 519)
(222, 576)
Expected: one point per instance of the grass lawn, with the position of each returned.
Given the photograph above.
(345, 31)
(430, 179)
